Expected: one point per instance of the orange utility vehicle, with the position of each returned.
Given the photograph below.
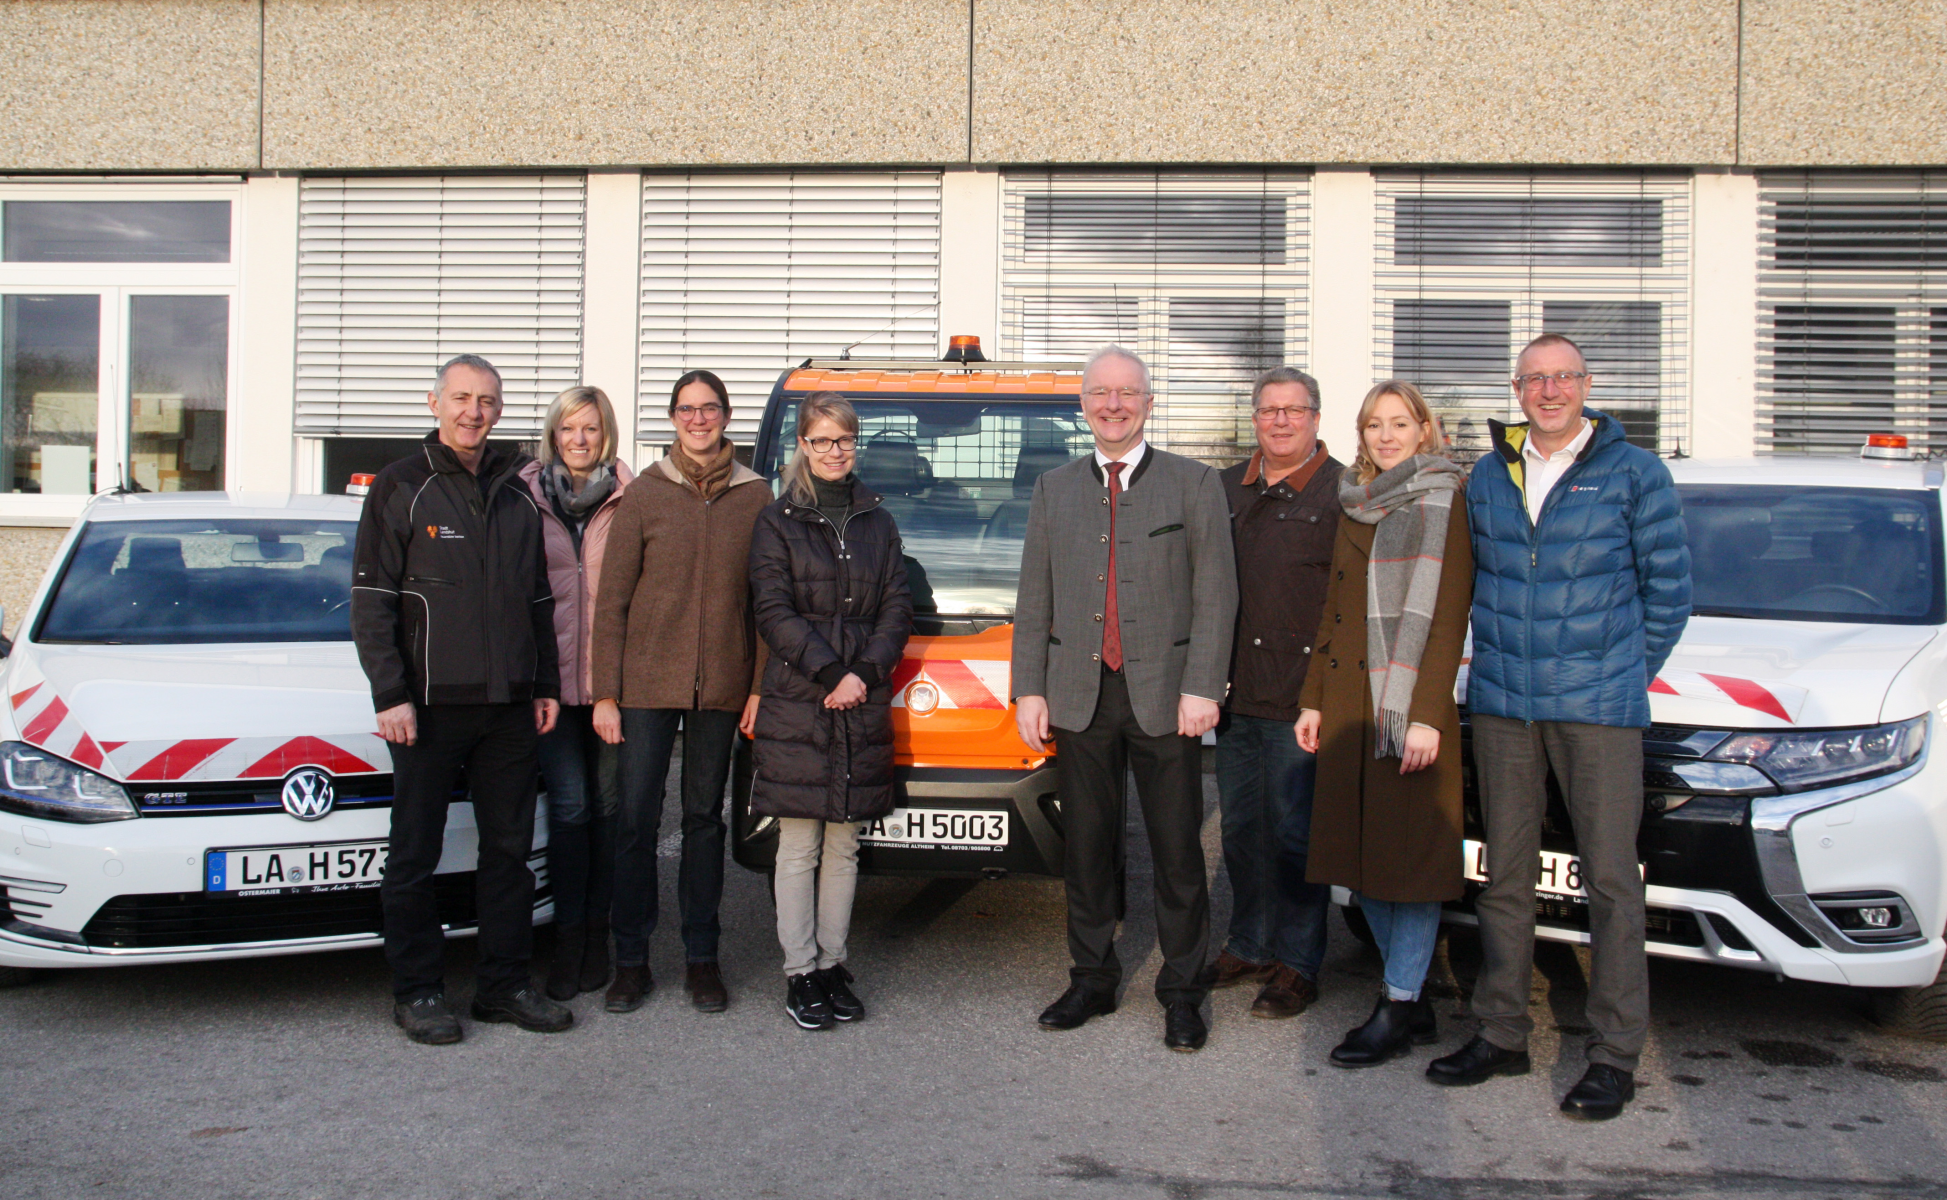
(955, 448)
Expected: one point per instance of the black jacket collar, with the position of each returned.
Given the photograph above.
(497, 461)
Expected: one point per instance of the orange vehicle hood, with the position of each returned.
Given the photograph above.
(951, 705)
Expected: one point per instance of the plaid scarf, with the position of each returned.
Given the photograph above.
(1410, 505)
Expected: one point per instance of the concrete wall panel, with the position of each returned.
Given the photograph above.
(1432, 81)
(432, 83)
(129, 85)
(1844, 83)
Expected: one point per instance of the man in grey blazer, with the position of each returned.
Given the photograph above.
(1122, 637)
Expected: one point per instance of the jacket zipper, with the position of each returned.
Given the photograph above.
(696, 605)
(1534, 552)
(838, 623)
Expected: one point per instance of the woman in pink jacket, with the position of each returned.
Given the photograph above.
(577, 483)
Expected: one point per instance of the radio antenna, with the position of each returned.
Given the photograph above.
(846, 353)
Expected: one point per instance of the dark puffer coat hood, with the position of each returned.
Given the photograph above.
(823, 596)
(1575, 613)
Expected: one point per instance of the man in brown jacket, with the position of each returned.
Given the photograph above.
(675, 642)
(1284, 512)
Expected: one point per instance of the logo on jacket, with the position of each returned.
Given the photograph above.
(432, 531)
(308, 794)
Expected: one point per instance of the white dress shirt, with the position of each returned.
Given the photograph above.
(1542, 474)
(1134, 459)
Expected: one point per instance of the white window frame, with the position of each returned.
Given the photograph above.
(116, 284)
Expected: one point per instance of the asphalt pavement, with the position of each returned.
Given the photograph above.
(284, 1077)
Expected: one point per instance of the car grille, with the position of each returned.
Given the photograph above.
(253, 795)
(162, 920)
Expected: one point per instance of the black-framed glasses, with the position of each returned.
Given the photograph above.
(824, 445)
(1529, 383)
(689, 412)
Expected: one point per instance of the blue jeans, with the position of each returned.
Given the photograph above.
(579, 771)
(1264, 787)
(648, 738)
(1406, 933)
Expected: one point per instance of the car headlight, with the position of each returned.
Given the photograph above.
(1801, 759)
(38, 784)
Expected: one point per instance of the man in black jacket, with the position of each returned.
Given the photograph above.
(454, 622)
(1284, 512)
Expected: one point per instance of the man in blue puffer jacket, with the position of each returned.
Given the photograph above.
(1581, 590)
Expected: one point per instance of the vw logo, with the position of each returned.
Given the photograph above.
(308, 794)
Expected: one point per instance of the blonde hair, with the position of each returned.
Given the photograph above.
(799, 480)
(1433, 441)
(566, 405)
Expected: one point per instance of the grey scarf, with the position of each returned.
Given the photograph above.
(1410, 505)
(559, 487)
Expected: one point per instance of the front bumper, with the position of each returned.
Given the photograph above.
(94, 895)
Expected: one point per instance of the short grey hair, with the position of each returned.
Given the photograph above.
(1285, 375)
(1123, 352)
(466, 360)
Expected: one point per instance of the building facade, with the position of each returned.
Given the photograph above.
(237, 236)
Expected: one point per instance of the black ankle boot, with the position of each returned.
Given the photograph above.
(1385, 1035)
(564, 970)
(594, 957)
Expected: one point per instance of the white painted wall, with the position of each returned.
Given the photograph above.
(610, 308)
(1724, 315)
(970, 256)
(267, 457)
(1343, 200)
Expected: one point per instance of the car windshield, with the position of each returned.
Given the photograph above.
(154, 583)
(957, 476)
(1864, 555)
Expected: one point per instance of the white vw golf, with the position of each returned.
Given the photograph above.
(189, 765)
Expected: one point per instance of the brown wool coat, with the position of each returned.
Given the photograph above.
(1386, 835)
(673, 624)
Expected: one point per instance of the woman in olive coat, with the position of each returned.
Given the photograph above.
(1386, 817)
(828, 589)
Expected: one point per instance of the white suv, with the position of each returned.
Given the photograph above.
(189, 765)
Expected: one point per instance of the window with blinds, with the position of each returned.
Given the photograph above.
(746, 275)
(1471, 267)
(1852, 310)
(397, 275)
(1203, 275)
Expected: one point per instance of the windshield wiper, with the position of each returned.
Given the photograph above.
(1716, 612)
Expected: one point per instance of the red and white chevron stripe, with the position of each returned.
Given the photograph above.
(1782, 700)
(963, 683)
(46, 721)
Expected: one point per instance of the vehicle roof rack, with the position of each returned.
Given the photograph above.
(934, 364)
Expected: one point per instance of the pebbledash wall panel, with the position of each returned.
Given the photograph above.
(746, 275)
(397, 275)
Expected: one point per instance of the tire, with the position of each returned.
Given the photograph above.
(1917, 1012)
(1356, 922)
(12, 977)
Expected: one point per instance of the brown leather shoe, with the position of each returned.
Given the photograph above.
(705, 983)
(1230, 970)
(1286, 995)
(631, 987)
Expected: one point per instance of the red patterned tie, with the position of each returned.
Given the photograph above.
(1111, 622)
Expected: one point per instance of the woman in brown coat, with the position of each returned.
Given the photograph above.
(1378, 709)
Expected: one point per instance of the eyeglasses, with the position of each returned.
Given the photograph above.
(824, 445)
(1293, 414)
(690, 412)
(1103, 393)
(1529, 383)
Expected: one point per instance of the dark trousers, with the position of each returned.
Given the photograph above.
(1264, 785)
(496, 744)
(648, 738)
(578, 769)
(1600, 769)
(1090, 768)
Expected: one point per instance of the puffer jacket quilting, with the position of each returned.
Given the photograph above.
(820, 599)
(1574, 614)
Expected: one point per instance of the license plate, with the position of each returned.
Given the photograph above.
(938, 829)
(339, 866)
(1558, 874)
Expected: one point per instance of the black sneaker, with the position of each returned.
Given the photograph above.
(427, 1020)
(804, 999)
(845, 1005)
(526, 1008)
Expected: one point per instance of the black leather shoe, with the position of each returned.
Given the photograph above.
(1183, 1027)
(1601, 1094)
(1386, 1035)
(428, 1020)
(1075, 1007)
(526, 1008)
(1477, 1062)
(805, 1001)
(845, 1004)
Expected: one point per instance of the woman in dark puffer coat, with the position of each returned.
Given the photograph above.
(828, 587)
